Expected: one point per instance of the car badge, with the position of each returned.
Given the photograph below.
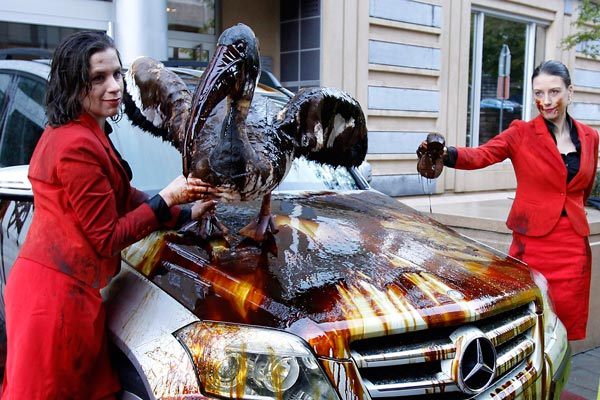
(474, 365)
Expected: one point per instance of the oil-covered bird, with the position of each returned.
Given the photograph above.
(240, 143)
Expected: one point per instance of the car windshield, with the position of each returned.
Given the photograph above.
(309, 175)
(158, 162)
(155, 163)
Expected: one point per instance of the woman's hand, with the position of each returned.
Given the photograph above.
(203, 207)
(182, 191)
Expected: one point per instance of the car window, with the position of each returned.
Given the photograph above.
(153, 161)
(24, 121)
(310, 175)
(4, 84)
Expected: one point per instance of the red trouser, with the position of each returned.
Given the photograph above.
(57, 347)
(565, 260)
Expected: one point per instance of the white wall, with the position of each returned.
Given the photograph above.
(86, 14)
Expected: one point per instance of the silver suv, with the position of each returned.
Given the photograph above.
(359, 297)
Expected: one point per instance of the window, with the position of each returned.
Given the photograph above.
(5, 80)
(14, 34)
(496, 98)
(25, 118)
(191, 29)
(300, 33)
(196, 16)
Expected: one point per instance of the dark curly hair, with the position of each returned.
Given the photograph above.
(554, 68)
(69, 79)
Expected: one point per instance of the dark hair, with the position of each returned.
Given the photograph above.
(555, 68)
(69, 74)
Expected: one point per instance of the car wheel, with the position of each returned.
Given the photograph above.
(132, 385)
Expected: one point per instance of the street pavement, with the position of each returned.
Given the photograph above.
(584, 377)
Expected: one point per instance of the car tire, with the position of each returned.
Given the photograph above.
(129, 396)
(132, 385)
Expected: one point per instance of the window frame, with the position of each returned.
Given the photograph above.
(532, 25)
(298, 53)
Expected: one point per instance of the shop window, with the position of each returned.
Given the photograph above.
(195, 16)
(504, 52)
(18, 35)
(192, 30)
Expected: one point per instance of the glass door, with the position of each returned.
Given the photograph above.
(502, 59)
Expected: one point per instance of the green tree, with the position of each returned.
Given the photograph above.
(588, 29)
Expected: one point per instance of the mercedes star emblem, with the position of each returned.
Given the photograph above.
(474, 366)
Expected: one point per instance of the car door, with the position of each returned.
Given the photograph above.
(22, 120)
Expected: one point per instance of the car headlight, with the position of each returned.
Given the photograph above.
(254, 363)
(550, 318)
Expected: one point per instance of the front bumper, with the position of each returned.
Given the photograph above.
(558, 361)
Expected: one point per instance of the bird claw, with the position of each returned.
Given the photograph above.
(208, 227)
(257, 229)
(211, 227)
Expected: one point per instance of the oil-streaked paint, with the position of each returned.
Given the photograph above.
(355, 266)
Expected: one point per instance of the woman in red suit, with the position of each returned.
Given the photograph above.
(86, 212)
(555, 159)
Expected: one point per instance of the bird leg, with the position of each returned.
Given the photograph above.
(207, 227)
(263, 223)
(210, 226)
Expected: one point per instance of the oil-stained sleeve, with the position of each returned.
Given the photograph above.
(83, 170)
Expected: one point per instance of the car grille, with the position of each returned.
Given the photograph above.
(407, 366)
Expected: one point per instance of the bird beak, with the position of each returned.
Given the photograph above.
(232, 73)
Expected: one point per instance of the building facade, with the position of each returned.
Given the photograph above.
(458, 67)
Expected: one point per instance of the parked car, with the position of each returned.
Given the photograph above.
(357, 297)
(497, 104)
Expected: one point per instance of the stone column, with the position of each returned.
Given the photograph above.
(141, 29)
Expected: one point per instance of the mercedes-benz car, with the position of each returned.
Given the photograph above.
(356, 297)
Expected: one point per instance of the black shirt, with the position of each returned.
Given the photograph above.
(571, 160)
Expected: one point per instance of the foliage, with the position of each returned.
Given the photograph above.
(588, 29)
(497, 32)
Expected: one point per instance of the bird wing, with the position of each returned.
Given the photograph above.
(157, 100)
(328, 125)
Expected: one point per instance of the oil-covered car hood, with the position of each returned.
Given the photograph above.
(343, 266)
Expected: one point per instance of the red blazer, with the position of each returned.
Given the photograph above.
(542, 191)
(86, 212)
